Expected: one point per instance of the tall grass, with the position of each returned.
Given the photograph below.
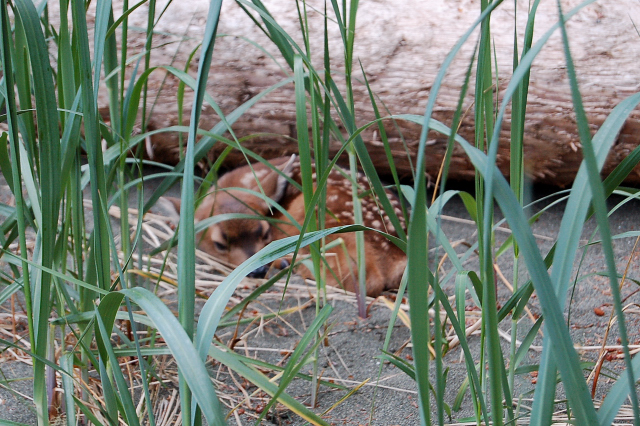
(73, 278)
(490, 185)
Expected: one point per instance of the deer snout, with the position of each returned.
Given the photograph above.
(260, 272)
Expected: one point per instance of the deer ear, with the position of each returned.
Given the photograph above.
(274, 184)
(176, 202)
(170, 206)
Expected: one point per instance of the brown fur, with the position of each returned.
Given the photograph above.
(236, 240)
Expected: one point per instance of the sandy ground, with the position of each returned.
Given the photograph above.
(352, 345)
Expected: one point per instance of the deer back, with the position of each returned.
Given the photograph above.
(385, 263)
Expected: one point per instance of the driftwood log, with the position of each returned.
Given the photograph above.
(401, 45)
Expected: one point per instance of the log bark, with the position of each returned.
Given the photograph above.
(402, 45)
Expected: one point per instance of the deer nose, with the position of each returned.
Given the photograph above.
(259, 272)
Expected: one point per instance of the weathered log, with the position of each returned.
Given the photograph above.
(401, 45)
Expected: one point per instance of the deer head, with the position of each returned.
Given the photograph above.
(234, 241)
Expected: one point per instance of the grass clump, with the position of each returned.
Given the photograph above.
(77, 282)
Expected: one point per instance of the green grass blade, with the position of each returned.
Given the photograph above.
(298, 359)
(48, 135)
(186, 235)
(417, 244)
(568, 363)
(93, 146)
(617, 395)
(206, 143)
(404, 366)
(590, 160)
(66, 363)
(519, 74)
(233, 362)
(15, 176)
(279, 37)
(418, 273)
(103, 331)
(304, 147)
(192, 368)
(572, 222)
(103, 13)
(54, 273)
(109, 394)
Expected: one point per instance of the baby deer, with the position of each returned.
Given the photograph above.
(235, 240)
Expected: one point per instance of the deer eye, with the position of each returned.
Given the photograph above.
(220, 246)
(266, 235)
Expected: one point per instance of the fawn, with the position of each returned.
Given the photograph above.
(235, 240)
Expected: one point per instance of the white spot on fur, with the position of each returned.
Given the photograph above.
(376, 224)
(248, 180)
